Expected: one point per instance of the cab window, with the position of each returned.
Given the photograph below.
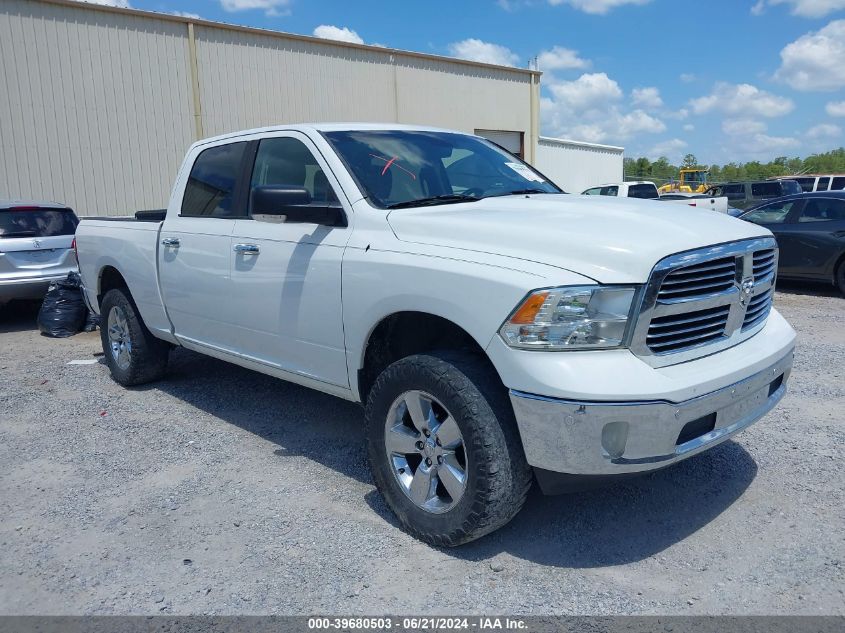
(287, 161)
(210, 191)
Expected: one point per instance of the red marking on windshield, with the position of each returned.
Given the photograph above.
(392, 162)
(389, 163)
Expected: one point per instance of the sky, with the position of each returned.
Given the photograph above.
(725, 80)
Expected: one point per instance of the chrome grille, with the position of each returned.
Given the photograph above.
(678, 331)
(701, 301)
(701, 279)
(758, 309)
(764, 263)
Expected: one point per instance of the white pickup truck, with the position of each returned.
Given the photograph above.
(647, 190)
(496, 330)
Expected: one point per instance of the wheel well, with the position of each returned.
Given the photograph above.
(406, 333)
(110, 278)
(838, 265)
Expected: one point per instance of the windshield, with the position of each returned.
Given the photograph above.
(409, 168)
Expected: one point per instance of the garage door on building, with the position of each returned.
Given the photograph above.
(511, 141)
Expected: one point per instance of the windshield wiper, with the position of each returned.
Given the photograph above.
(517, 192)
(424, 202)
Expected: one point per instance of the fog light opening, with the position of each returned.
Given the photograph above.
(614, 437)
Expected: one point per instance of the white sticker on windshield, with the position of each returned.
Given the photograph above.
(525, 172)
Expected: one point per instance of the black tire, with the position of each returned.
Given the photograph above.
(497, 476)
(148, 356)
(840, 277)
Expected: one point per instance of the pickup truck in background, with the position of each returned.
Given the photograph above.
(647, 190)
(496, 330)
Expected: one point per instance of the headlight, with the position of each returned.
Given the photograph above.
(573, 317)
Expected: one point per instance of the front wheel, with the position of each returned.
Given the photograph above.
(133, 354)
(444, 448)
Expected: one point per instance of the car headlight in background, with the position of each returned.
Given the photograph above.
(571, 317)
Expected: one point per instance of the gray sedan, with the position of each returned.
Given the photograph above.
(36, 247)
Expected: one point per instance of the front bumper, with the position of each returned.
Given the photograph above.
(616, 438)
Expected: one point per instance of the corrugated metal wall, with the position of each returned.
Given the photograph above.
(97, 105)
(575, 166)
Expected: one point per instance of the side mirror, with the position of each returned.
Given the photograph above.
(295, 204)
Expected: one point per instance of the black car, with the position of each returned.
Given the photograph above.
(810, 230)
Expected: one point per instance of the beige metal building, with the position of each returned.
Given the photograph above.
(98, 104)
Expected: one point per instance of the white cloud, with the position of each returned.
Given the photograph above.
(824, 131)
(671, 149)
(343, 34)
(647, 97)
(588, 109)
(803, 8)
(689, 127)
(743, 127)
(816, 60)
(589, 90)
(123, 4)
(687, 78)
(270, 7)
(559, 58)
(479, 51)
(742, 99)
(762, 144)
(186, 14)
(597, 7)
(835, 108)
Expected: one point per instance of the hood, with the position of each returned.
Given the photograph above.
(612, 240)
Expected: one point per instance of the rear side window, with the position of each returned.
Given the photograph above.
(610, 191)
(823, 184)
(766, 189)
(36, 222)
(823, 210)
(647, 192)
(790, 187)
(806, 184)
(733, 192)
(838, 183)
(211, 186)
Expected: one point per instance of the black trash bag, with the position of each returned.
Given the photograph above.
(63, 311)
(92, 322)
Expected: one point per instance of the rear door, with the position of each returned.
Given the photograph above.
(286, 276)
(194, 248)
(813, 238)
(35, 242)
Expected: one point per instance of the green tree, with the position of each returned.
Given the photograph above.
(689, 161)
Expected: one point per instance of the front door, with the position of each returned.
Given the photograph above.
(286, 276)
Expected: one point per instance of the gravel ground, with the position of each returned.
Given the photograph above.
(223, 491)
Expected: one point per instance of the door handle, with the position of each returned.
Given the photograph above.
(171, 242)
(247, 249)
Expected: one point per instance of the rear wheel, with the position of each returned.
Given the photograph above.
(133, 354)
(444, 448)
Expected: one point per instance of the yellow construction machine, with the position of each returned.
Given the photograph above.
(691, 180)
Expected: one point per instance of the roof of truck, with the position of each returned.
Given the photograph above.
(328, 127)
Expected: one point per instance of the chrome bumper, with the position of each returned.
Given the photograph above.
(27, 287)
(607, 438)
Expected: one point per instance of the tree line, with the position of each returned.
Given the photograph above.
(832, 162)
